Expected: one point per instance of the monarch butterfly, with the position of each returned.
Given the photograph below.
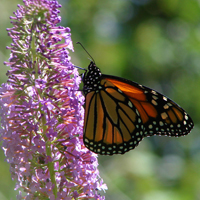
(119, 113)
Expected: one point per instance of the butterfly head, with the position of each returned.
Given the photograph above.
(91, 78)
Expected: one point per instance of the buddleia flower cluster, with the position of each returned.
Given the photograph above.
(41, 110)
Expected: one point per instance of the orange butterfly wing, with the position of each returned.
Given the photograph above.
(159, 114)
(109, 122)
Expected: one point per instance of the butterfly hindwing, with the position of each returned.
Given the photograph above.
(112, 125)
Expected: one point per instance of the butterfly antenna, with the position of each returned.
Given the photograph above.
(86, 51)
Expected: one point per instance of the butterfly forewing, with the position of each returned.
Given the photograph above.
(120, 113)
(160, 115)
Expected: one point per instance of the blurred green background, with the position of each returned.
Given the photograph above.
(155, 43)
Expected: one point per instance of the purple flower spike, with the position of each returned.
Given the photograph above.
(41, 110)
